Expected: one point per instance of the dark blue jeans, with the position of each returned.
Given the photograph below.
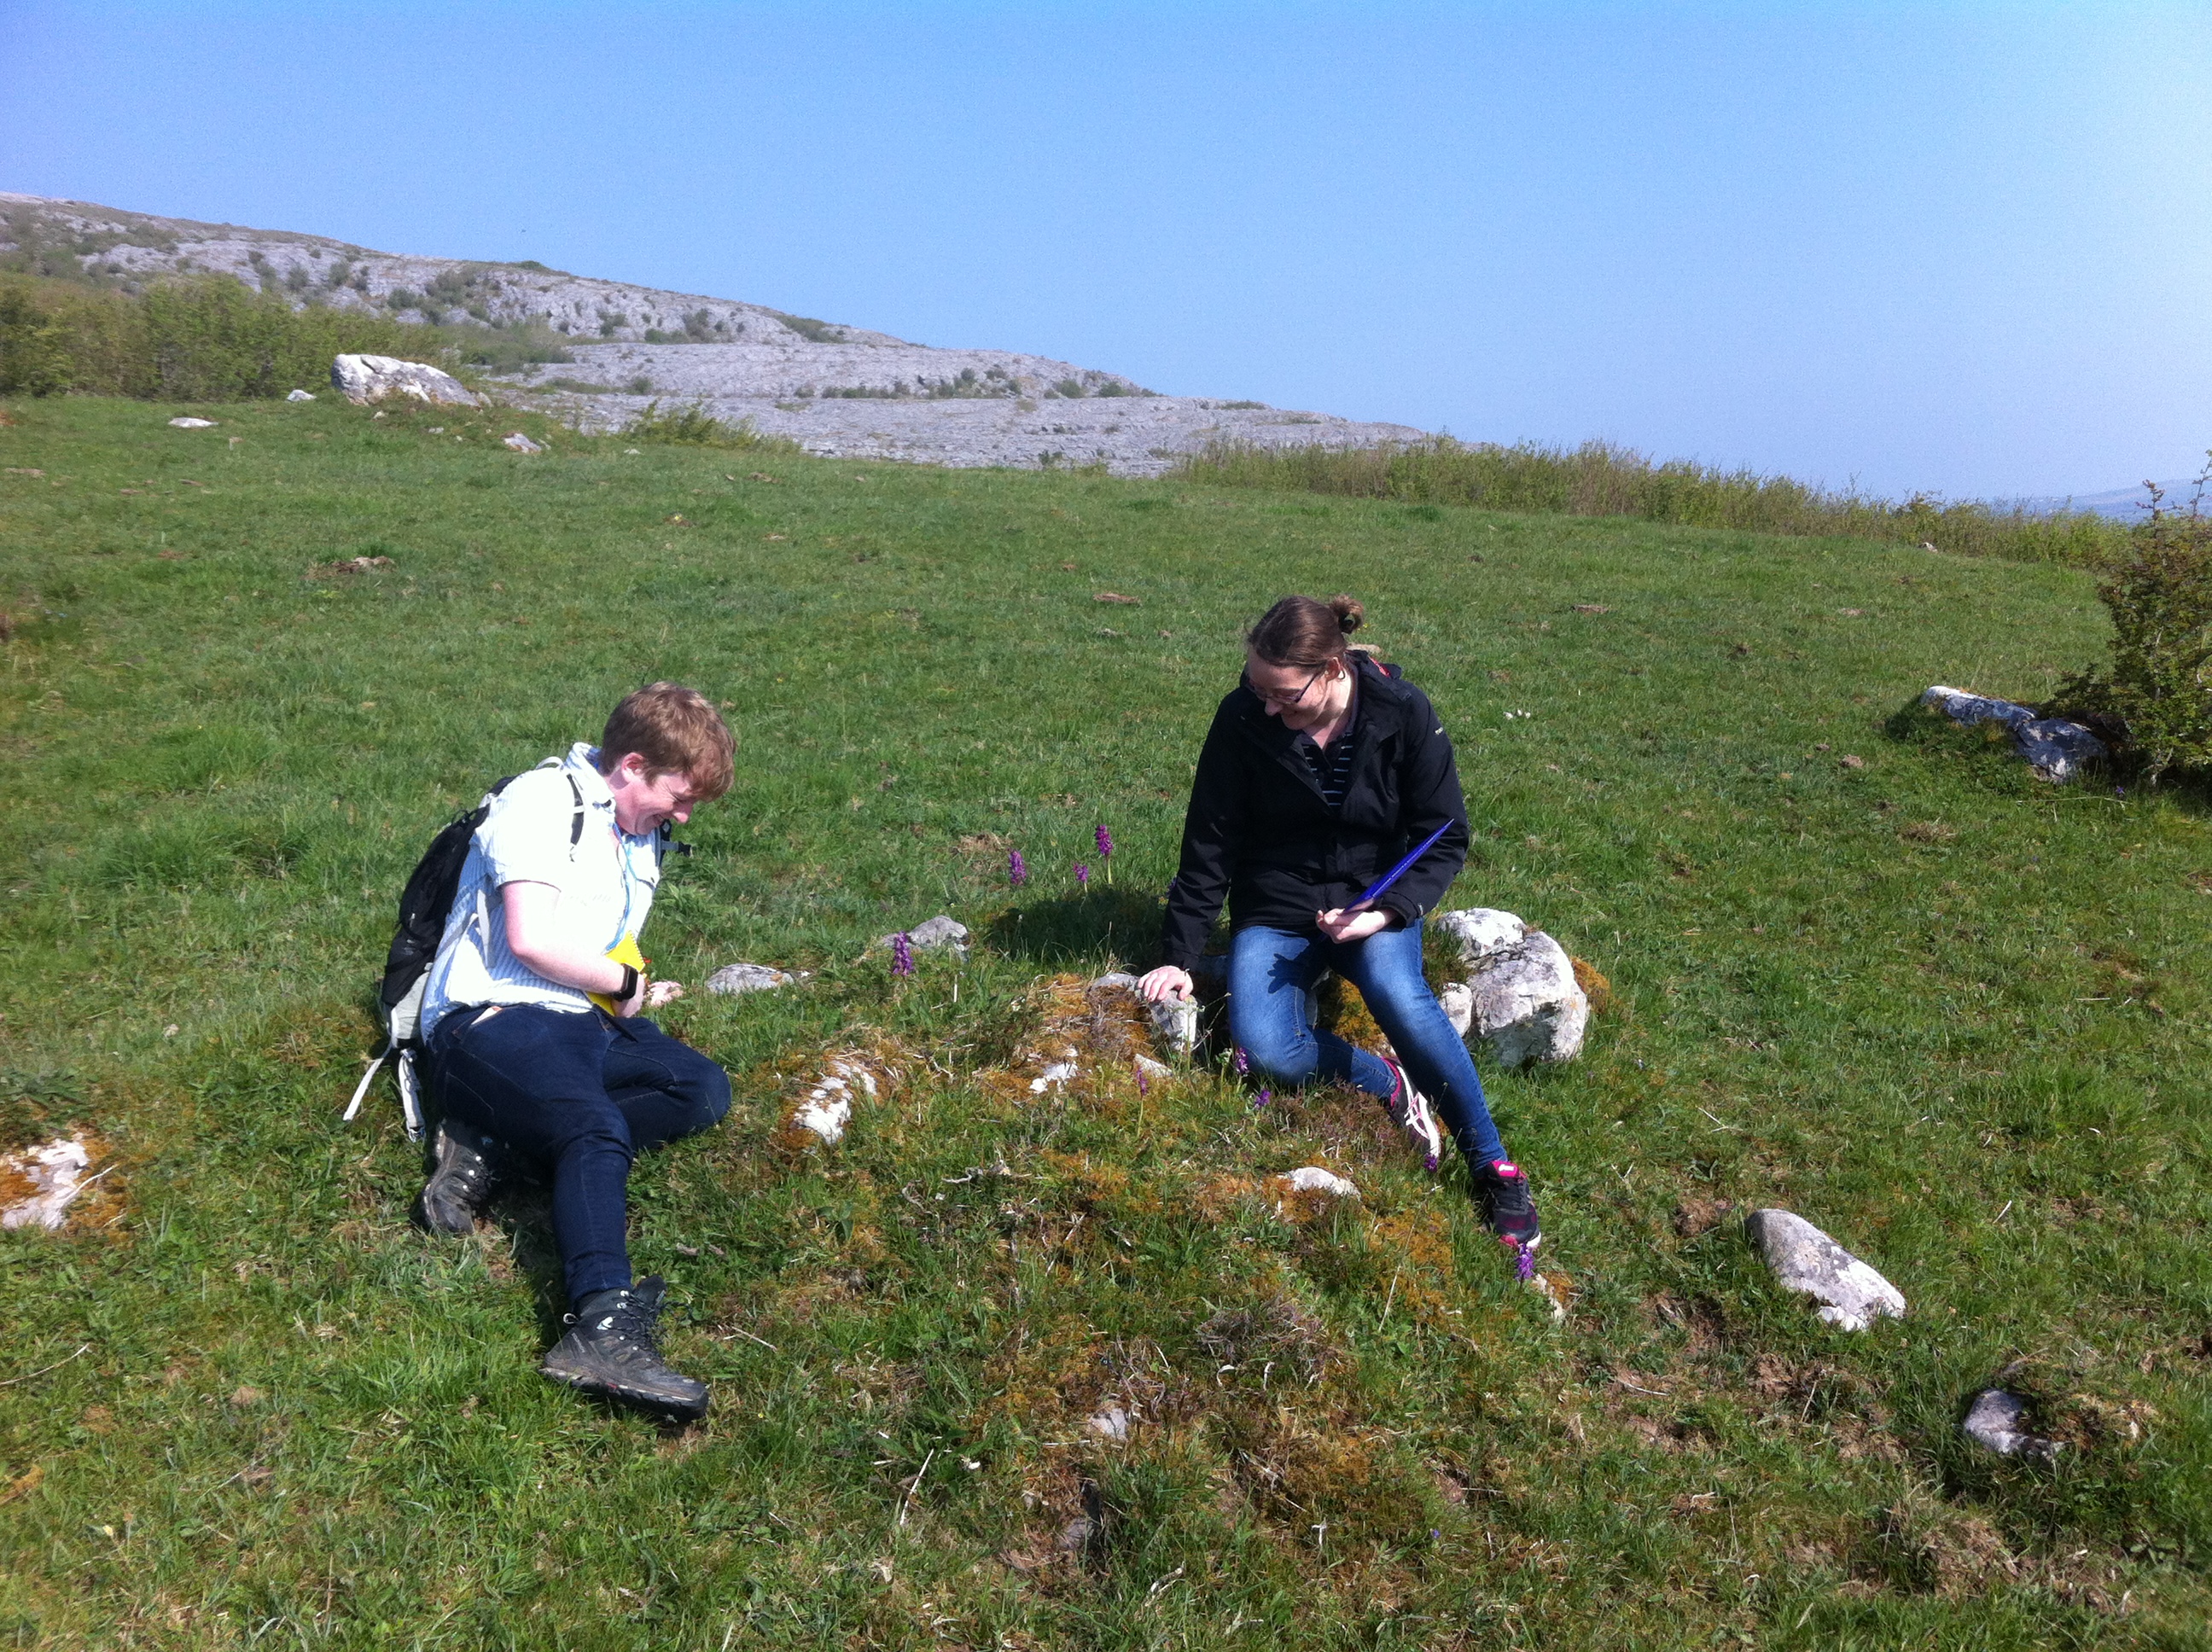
(1270, 971)
(583, 1094)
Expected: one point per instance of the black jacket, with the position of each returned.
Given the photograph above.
(1260, 833)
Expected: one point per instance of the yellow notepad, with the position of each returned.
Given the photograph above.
(623, 952)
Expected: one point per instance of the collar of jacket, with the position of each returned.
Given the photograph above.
(1382, 702)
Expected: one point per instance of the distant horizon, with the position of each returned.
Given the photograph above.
(1860, 246)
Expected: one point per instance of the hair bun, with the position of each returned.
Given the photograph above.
(1350, 615)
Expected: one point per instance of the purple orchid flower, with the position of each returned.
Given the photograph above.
(1243, 1064)
(1144, 1084)
(1082, 876)
(1106, 850)
(1017, 870)
(902, 955)
(1524, 1263)
(1263, 1099)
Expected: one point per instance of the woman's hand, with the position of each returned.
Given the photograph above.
(1165, 982)
(1342, 924)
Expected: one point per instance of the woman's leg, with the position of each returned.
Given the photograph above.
(1386, 968)
(1269, 973)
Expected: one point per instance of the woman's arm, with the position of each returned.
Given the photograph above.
(533, 935)
(1212, 828)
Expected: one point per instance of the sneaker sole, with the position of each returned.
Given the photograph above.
(577, 1382)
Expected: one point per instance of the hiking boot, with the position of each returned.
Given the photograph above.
(464, 1171)
(1503, 1188)
(609, 1351)
(1409, 1110)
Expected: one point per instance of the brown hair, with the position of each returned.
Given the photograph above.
(1300, 632)
(677, 731)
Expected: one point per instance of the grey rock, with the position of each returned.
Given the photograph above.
(1481, 932)
(519, 443)
(1113, 1423)
(1116, 978)
(1998, 1420)
(189, 424)
(1456, 999)
(939, 934)
(1175, 1026)
(1526, 1003)
(1805, 1260)
(2056, 750)
(363, 378)
(1077, 1535)
(300, 395)
(734, 978)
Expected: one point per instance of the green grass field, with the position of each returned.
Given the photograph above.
(1953, 1016)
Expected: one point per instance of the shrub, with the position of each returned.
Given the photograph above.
(696, 426)
(1599, 479)
(2158, 687)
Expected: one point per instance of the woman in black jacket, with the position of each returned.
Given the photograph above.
(1322, 770)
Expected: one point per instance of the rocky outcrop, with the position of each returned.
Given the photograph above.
(1804, 1259)
(1521, 995)
(2056, 750)
(364, 378)
(732, 979)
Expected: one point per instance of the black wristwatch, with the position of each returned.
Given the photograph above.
(629, 984)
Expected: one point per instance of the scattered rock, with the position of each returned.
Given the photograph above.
(362, 378)
(1309, 1190)
(1175, 1026)
(1554, 1291)
(522, 444)
(828, 1107)
(39, 1184)
(1113, 1423)
(1998, 1420)
(2056, 750)
(1805, 1260)
(1117, 978)
(300, 395)
(732, 979)
(193, 424)
(939, 934)
(1521, 994)
(1077, 1535)
(1154, 1070)
(1055, 1077)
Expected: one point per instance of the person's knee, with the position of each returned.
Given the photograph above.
(710, 1091)
(1288, 1055)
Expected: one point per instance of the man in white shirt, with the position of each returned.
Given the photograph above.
(534, 1042)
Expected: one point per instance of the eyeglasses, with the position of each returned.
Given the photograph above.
(1276, 697)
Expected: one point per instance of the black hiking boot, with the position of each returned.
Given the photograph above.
(465, 1169)
(609, 1351)
(1502, 1188)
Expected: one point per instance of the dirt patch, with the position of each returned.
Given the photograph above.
(1695, 1218)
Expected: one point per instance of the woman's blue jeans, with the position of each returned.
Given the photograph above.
(582, 1093)
(1271, 970)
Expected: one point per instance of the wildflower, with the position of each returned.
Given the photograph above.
(1244, 1063)
(1144, 1084)
(1082, 876)
(902, 955)
(1017, 870)
(1263, 1099)
(1524, 1263)
(1106, 850)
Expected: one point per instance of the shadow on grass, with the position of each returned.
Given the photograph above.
(1120, 923)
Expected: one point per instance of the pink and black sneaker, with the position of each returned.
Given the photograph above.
(1503, 1188)
(1409, 1110)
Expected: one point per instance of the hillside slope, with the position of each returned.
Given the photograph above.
(839, 390)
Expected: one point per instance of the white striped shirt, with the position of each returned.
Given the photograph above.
(605, 875)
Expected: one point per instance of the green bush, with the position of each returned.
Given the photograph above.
(1599, 479)
(2158, 686)
(198, 338)
(696, 426)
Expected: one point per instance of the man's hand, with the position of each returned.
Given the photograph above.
(1166, 983)
(1342, 924)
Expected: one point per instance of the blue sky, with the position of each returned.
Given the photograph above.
(1960, 248)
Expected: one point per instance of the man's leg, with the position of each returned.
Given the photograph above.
(1269, 971)
(534, 1077)
(666, 1089)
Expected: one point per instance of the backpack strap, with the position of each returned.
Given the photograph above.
(576, 823)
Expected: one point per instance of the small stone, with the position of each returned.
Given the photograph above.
(300, 395)
(2055, 750)
(734, 978)
(1805, 1260)
(54, 1174)
(1317, 1184)
(1055, 1077)
(1076, 1536)
(1117, 978)
(1849, 761)
(1152, 1069)
(519, 443)
(939, 934)
(193, 424)
(1113, 1423)
(1997, 1420)
(1481, 931)
(362, 378)
(1175, 1026)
